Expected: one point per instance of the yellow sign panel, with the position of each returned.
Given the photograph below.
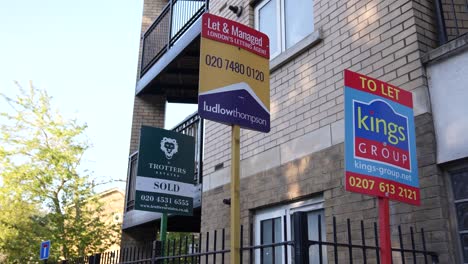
(223, 64)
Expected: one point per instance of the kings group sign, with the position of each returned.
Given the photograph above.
(380, 143)
(165, 172)
(234, 85)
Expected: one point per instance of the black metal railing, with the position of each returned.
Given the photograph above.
(192, 126)
(174, 20)
(211, 247)
(451, 18)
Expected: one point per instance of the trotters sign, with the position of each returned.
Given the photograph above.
(165, 173)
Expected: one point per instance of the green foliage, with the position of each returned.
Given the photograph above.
(43, 194)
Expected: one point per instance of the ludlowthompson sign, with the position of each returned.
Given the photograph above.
(165, 172)
(234, 83)
(380, 140)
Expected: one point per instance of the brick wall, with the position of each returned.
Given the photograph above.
(456, 17)
(148, 110)
(376, 38)
(323, 172)
(382, 39)
(151, 10)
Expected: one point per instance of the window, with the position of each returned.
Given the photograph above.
(132, 170)
(286, 22)
(460, 195)
(270, 227)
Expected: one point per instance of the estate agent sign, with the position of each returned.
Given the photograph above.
(165, 172)
(380, 144)
(234, 83)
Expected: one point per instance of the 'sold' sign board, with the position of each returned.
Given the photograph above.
(380, 144)
(234, 85)
(165, 173)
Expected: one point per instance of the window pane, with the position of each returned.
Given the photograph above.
(464, 240)
(278, 250)
(462, 216)
(271, 233)
(299, 20)
(312, 220)
(268, 24)
(270, 228)
(267, 238)
(460, 185)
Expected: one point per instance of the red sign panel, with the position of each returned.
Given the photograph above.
(233, 33)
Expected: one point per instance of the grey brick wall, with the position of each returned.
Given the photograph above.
(323, 172)
(383, 39)
(147, 109)
(376, 38)
(151, 10)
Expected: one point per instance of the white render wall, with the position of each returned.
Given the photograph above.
(448, 87)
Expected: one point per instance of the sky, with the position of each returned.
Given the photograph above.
(84, 54)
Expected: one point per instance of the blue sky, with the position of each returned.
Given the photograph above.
(84, 53)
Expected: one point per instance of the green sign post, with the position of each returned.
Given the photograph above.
(165, 180)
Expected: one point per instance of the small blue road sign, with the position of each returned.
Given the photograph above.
(45, 250)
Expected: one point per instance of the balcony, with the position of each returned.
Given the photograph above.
(171, 51)
(192, 126)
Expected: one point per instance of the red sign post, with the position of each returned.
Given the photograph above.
(380, 147)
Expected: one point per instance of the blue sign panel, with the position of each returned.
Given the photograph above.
(45, 250)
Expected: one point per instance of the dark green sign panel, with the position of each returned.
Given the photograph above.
(165, 180)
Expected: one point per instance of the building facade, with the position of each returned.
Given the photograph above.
(417, 45)
(112, 201)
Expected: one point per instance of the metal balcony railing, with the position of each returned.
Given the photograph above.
(452, 19)
(191, 126)
(174, 20)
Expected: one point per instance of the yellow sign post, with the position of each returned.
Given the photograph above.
(234, 89)
(235, 194)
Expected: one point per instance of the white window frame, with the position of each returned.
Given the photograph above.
(287, 210)
(280, 26)
(281, 42)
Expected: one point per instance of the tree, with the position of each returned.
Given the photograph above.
(43, 193)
